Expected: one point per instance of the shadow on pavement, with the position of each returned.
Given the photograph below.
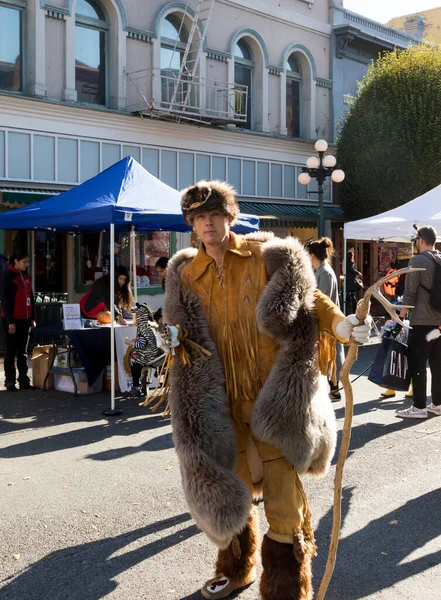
(377, 552)
(162, 442)
(55, 409)
(87, 571)
(23, 410)
(368, 432)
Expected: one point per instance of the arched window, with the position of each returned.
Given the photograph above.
(243, 75)
(174, 37)
(90, 52)
(11, 54)
(293, 96)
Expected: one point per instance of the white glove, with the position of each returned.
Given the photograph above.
(434, 334)
(349, 327)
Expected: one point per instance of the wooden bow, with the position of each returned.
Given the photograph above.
(352, 355)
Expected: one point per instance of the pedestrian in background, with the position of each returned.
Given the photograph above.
(17, 320)
(423, 319)
(354, 283)
(390, 286)
(320, 253)
(97, 299)
(161, 267)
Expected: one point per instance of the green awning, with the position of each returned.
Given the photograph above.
(22, 198)
(291, 212)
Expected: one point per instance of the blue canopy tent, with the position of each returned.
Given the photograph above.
(123, 197)
(125, 194)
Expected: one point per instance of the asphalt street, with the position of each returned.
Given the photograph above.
(92, 506)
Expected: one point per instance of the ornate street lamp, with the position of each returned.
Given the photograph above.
(320, 168)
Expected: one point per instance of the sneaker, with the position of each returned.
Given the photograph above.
(388, 394)
(434, 409)
(412, 413)
(134, 392)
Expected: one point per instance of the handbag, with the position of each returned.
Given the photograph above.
(391, 367)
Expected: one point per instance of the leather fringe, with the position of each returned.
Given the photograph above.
(327, 352)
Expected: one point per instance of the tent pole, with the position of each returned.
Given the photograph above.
(133, 255)
(33, 260)
(113, 412)
(345, 249)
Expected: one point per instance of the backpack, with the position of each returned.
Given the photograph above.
(435, 291)
(3, 269)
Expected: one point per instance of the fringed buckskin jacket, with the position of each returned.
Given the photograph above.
(278, 370)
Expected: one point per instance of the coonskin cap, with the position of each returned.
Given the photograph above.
(209, 196)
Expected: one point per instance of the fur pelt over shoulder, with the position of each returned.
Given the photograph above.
(203, 431)
(292, 411)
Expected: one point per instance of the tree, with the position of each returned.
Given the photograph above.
(390, 141)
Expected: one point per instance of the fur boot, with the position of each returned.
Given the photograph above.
(286, 570)
(236, 564)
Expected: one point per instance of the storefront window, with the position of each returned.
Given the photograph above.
(94, 256)
(10, 49)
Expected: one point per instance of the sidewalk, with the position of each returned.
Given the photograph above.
(92, 507)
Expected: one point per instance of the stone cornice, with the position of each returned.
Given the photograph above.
(55, 14)
(370, 25)
(274, 70)
(346, 35)
(218, 55)
(321, 82)
(54, 11)
(143, 35)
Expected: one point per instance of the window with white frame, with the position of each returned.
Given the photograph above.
(11, 42)
(174, 37)
(90, 52)
(243, 75)
(293, 96)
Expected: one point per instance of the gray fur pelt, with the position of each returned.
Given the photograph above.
(292, 411)
(203, 431)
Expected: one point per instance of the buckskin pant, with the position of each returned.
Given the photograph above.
(264, 467)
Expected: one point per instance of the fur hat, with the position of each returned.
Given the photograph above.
(209, 196)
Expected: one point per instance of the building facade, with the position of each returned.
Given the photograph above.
(84, 83)
(357, 42)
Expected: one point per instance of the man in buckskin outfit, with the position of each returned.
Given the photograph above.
(254, 415)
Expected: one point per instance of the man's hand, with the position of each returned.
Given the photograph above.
(350, 328)
(33, 324)
(12, 329)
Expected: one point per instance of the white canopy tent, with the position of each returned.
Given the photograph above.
(396, 225)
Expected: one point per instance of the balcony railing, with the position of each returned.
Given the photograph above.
(188, 98)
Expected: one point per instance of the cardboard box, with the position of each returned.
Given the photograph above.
(64, 383)
(41, 359)
(107, 380)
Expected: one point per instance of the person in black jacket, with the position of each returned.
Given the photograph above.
(17, 319)
(97, 298)
(354, 283)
